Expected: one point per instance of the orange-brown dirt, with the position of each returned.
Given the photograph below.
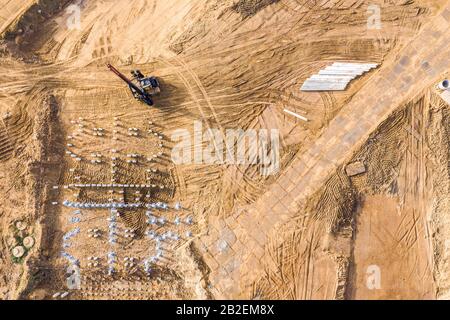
(229, 64)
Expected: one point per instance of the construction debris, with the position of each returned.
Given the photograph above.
(355, 168)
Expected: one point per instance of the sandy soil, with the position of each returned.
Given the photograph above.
(229, 64)
(396, 243)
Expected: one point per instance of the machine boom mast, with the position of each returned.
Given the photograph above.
(124, 78)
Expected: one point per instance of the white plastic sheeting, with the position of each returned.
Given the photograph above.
(336, 77)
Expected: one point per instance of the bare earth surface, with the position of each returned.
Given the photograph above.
(308, 231)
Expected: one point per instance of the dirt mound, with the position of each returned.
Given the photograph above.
(248, 8)
(335, 204)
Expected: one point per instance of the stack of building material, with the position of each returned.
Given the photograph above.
(336, 77)
(446, 96)
(355, 168)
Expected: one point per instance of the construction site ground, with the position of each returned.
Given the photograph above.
(308, 231)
